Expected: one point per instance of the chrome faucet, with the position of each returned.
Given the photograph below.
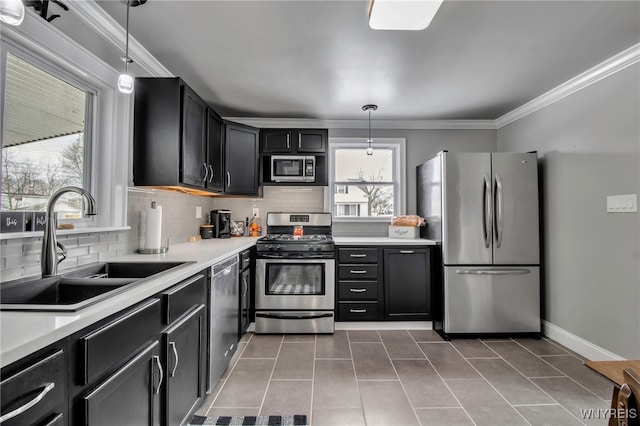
(49, 256)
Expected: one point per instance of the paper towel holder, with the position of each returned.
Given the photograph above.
(154, 250)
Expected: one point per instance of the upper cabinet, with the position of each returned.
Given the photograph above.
(215, 154)
(293, 141)
(241, 155)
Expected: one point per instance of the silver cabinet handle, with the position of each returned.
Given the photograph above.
(493, 271)
(206, 171)
(228, 179)
(175, 354)
(406, 251)
(246, 286)
(357, 311)
(358, 272)
(288, 141)
(47, 388)
(357, 290)
(487, 220)
(357, 255)
(211, 170)
(299, 141)
(499, 211)
(156, 359)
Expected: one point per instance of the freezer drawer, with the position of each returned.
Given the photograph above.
(492, 299)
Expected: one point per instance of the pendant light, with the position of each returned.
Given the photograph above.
(125, 81)
(369, 108)
(412, 15)
(11, 12)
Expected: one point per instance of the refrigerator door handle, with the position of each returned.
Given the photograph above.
(511, 271)
(487, 220)
(499, 211)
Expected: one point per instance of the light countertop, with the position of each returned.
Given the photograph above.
(381, 241)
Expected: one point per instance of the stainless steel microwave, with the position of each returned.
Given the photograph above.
(293, 168)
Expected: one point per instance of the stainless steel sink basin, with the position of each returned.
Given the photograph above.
(80, 288)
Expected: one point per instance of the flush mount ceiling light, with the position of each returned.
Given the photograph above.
(369, 108)
(125, 81)
(402, 14)
(11, 12)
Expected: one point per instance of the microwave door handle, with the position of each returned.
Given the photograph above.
(299, 141)
(288, 141)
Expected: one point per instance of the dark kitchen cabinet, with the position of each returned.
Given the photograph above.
(241, 146)
(194, 139)
(185, 374)
(294, 141)
(407, 283)
(131, 395)
(359, 281)
(246, 273)
(215, 154)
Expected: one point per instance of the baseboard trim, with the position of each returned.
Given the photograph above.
(578, 344)
(376, 325)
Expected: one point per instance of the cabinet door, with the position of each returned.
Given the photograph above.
(276, 141)
(185, 373)
(215, 154)
(245, 301)
(129, 396)
(194, 143)
(241, 159)
(407, 284)
(311, 140)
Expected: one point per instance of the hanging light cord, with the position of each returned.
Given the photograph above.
(369, 128)
(126, 53)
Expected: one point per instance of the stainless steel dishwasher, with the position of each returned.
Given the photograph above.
(223, 317)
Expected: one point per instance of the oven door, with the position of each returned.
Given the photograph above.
(295, 284)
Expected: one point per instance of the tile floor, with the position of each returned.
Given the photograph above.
(408, 377)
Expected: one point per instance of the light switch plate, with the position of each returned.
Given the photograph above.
(198, 212)
(622, 203)
(256, 212)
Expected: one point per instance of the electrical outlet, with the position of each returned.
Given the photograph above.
(255, 212)
(198, 212)
(622, 203)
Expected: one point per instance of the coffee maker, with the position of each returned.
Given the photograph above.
(221, 221)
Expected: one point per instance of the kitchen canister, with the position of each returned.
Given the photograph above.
(206, 231)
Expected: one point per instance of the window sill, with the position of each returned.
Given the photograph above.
(386, 220)
(37, 234)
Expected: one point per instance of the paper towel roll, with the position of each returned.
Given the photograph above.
(153, 230)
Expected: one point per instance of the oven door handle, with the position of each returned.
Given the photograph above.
(294, 317)
(297, 257)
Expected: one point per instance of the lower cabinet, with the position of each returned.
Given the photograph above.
(407, 279)
(185, 368)
(131, 395)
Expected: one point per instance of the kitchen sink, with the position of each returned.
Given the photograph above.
(78, 289)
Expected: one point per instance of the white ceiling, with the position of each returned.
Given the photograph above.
(319, 59)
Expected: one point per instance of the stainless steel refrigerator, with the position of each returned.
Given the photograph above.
(482, 209)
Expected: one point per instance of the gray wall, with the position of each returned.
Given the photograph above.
(588, 145)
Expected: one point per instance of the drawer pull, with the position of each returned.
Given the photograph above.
(406, 251)
(156, 359)
(359, 271)
(175, 354)
(357, 255)
(48, 387)
(358, 311)
(357, 290)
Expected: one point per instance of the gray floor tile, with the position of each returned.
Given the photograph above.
(548, 415)
(338, 417)
(234, 359)
(443, 416)
(400, 344)
(448, 362)
(484, 404)
(571, 395)
(287, 397)
(516, 388)
(263, 346)
(246, 384)
(422, 384)
(372, 362)
(541, 346)
(300, 338)
(574, 368)
(473, 348)
(334, 345)
(335, 384)
(425, 336)
(295, 361)
(363, 336)
(523, 360)
(232, 411)
(384, 404)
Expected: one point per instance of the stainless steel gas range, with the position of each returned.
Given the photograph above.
(295, 274)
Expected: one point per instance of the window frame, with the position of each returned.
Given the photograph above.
(398, 147)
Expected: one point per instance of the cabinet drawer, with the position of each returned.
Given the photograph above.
(38, 390)
(358, 290)
(357, 255)
(120, 338)
(358, 272)
(358, 311)
(180, 298)
(245, 260)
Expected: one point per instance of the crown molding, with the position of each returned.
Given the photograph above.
(616, 63)
(102, 23)
(306, 123)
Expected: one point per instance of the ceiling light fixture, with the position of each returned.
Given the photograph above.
(125, 81)
(402, 14)
(369, 108)
(11, 12)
